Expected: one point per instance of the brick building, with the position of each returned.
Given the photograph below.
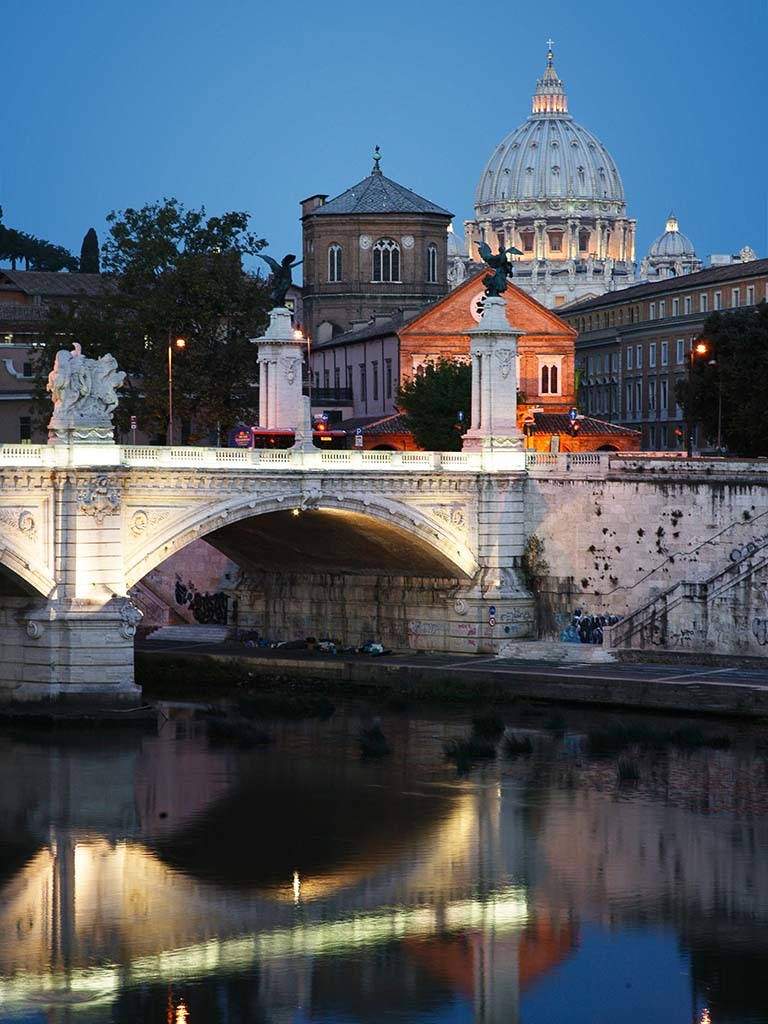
(373, 250)
(633, 346)
(374, 360)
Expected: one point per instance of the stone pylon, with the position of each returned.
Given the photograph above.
(493, 351)
(281, 369)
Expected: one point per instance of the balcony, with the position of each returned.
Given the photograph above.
(331, 396)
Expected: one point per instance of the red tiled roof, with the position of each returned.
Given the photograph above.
(393, 424)
(559, 423)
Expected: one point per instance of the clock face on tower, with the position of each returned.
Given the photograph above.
(408, 241)
(476, 306)
(365, 241)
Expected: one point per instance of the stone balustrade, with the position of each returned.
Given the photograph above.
(83, 456)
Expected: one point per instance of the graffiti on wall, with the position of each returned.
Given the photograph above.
(209, 609)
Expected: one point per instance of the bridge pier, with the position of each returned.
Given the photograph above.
(67, 650)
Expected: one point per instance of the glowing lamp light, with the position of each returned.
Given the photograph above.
(298, 335)
(702, 348)
(295, 511)
(181, 343)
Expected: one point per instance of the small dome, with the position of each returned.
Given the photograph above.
(550, 156)
(455, 244)
(672, 244)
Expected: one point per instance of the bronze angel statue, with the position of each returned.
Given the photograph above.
(281, 276)
(496, 283)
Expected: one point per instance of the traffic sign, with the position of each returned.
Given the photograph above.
(491, 620)
(572, 414)
(134, 424)
(492, 610)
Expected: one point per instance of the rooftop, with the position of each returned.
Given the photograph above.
(48, 283)
(378, 194)
(685, 282)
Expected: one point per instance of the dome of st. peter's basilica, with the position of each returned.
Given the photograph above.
(552, 190)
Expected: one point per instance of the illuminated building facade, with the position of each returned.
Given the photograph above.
(373, 250)
(633, 347)
(552, 190)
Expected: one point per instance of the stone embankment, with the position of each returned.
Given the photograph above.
(709, 690)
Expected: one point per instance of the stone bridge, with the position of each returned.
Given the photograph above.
(80, 525)
(437, 538)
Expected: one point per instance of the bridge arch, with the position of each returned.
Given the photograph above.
(426, 545)
(18, 570)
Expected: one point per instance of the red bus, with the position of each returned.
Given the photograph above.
(257, 437)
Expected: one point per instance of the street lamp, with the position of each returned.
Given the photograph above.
(713, 362)
(179, 343)
(699, 349)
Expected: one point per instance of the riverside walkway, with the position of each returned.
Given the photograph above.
(712, 689)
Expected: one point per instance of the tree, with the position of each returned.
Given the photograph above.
(432, 401)
(170, 271)
(89, 253)
(729, 383)
(34, 253)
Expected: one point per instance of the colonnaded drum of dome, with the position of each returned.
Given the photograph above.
(553, 190)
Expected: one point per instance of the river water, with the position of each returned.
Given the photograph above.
(599, 869)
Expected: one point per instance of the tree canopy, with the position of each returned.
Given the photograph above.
(167, 272)
(89, 253)
(34, 253)
(432, 402)
(730, 382)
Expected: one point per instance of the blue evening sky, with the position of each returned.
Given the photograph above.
(243, 104)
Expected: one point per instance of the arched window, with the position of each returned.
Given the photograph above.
(549, 375)
(386, 260)
(432, 263)
(335, 264)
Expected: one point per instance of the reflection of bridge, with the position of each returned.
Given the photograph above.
(110, 882)
(88, 918)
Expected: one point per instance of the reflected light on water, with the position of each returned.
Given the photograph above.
(182, 1014)
(99, 866)
(705, 1018)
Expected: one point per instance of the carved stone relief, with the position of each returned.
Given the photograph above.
(23, 521)
(99, 499)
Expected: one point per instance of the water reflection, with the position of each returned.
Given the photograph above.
(164, 878)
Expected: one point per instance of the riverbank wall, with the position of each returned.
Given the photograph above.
(440, 681)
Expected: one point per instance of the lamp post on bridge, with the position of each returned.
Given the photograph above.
(699, 349)
(179, 343)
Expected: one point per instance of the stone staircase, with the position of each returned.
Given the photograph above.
(727, 613)
(191, 634)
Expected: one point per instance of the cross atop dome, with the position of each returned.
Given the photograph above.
(376, 161)
(550, 97)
